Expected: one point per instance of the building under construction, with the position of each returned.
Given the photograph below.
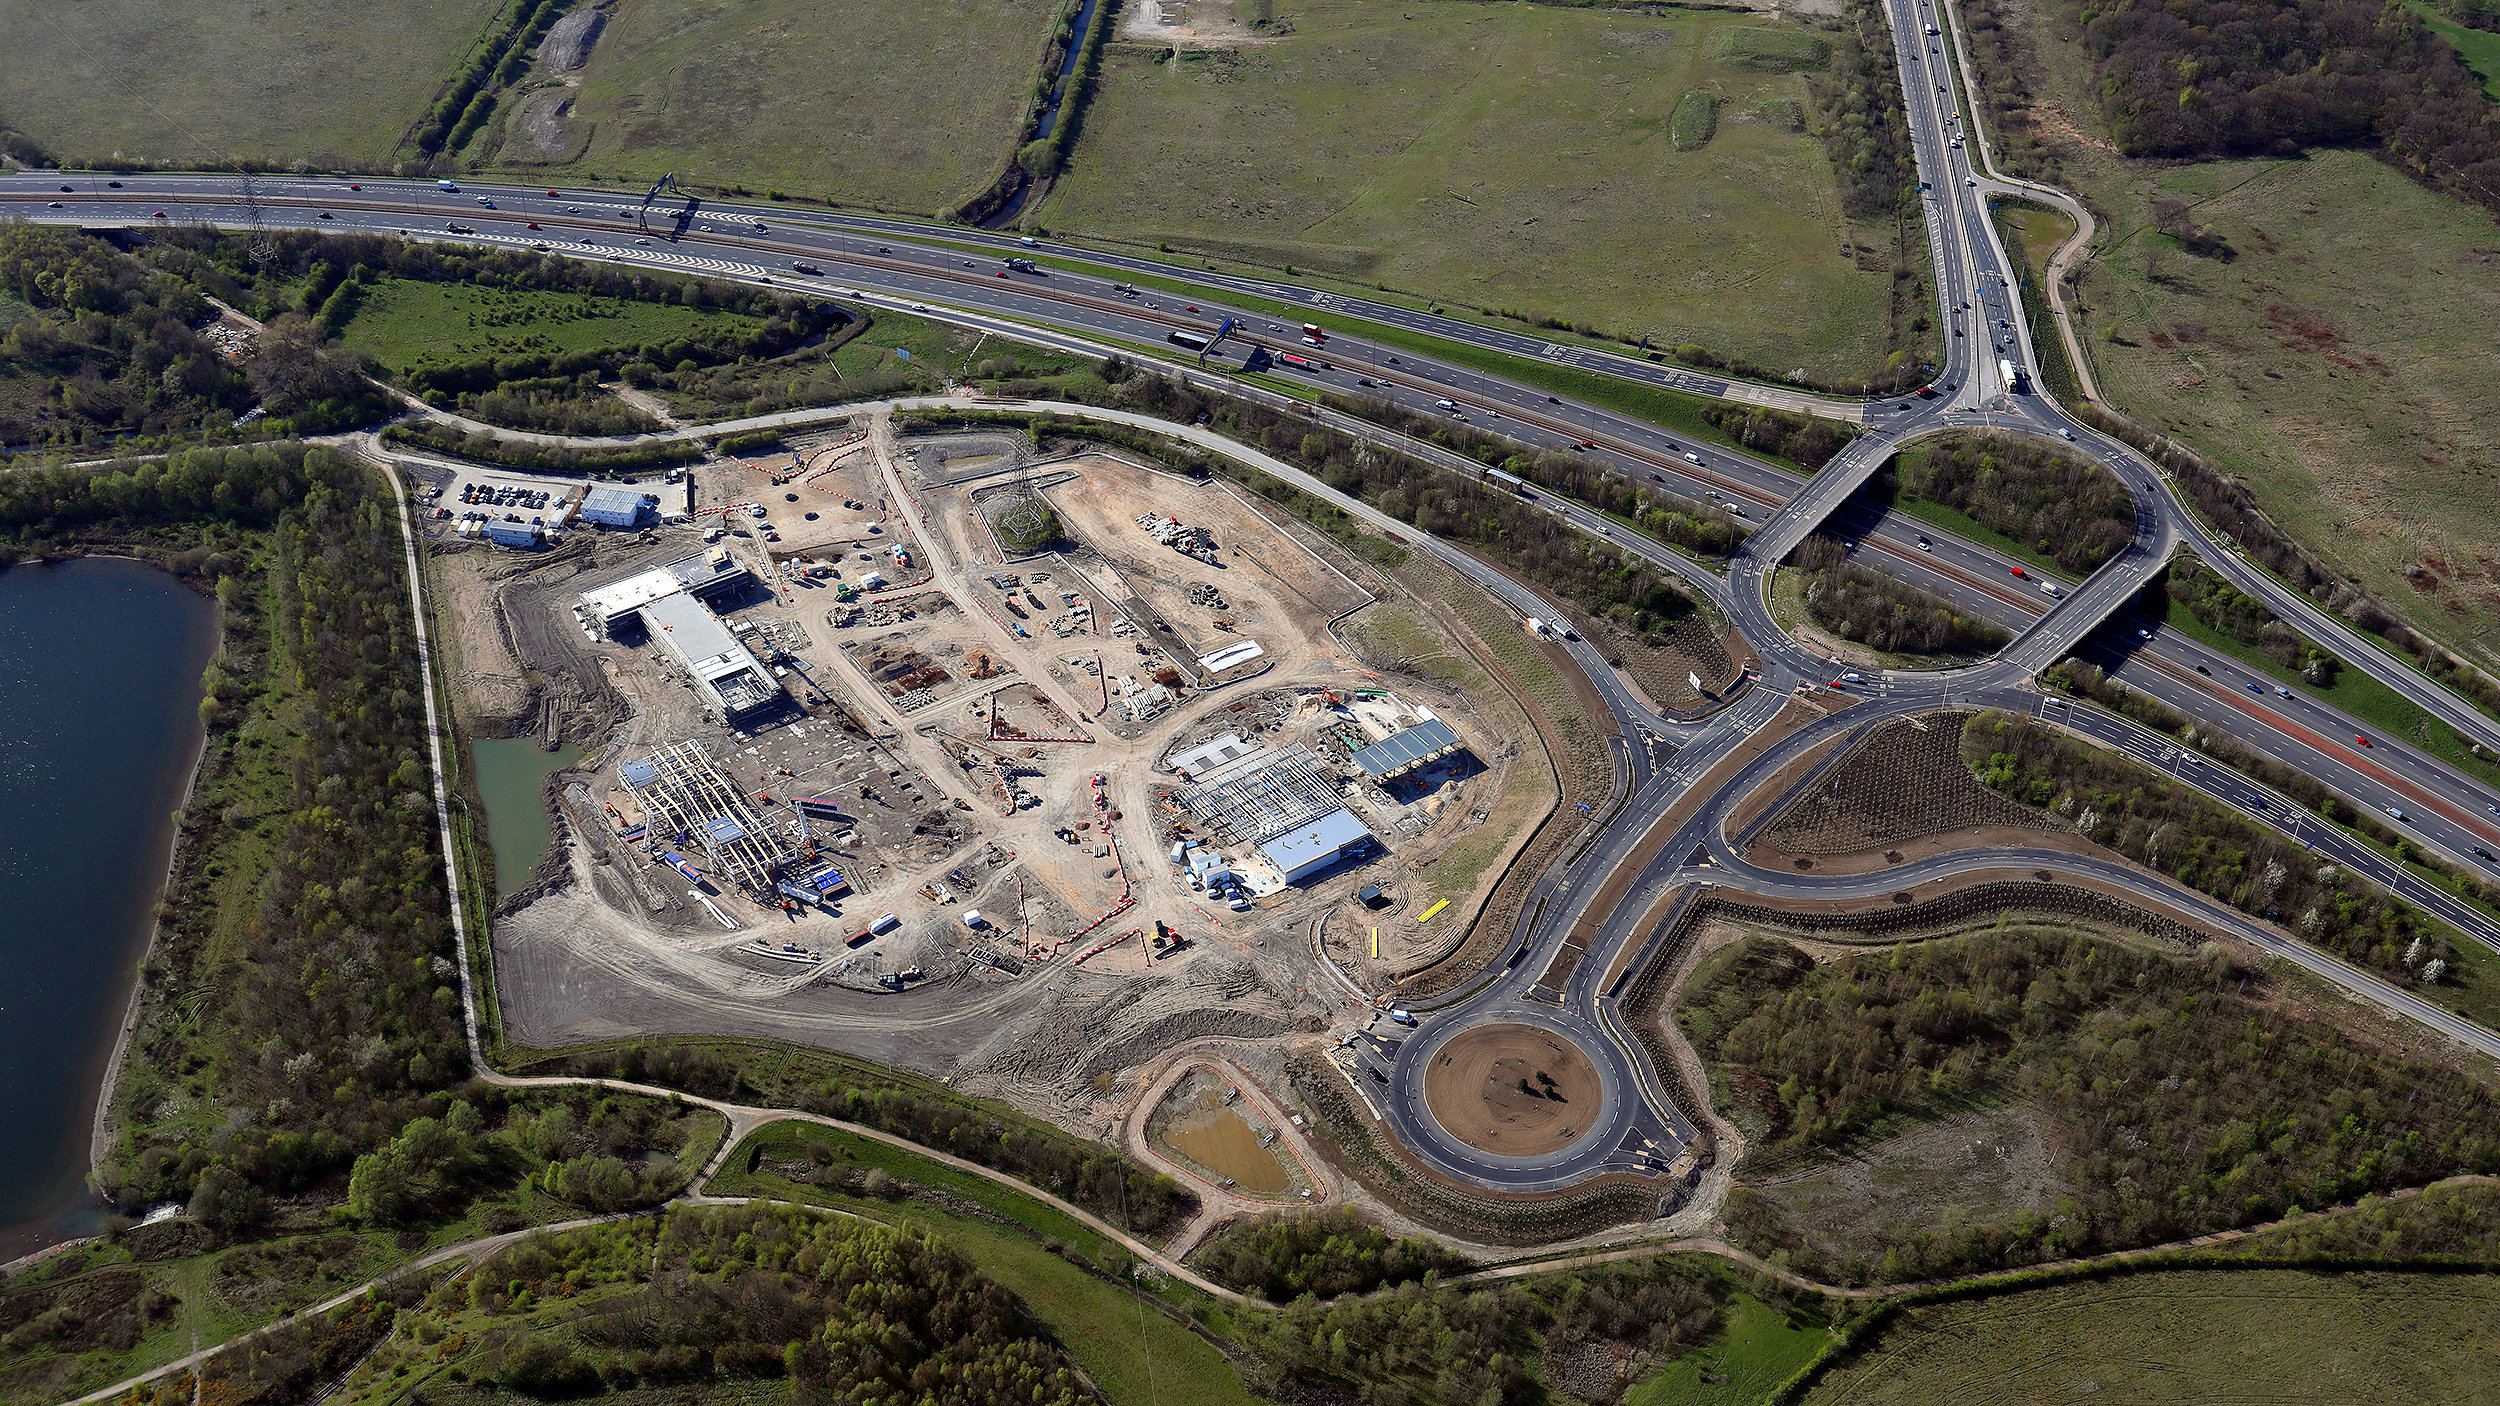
(1279, 800)
(703, 821)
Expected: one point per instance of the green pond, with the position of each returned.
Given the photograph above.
(511, 773)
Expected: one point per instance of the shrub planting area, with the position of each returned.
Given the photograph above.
(2176, 1104)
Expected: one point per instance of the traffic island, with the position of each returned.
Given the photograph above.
(1513, 1090)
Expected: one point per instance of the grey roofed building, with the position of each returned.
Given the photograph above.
(1309, 848)
(728, 679)
(1403, 751)
(617, 507)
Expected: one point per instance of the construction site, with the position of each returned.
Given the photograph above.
(1029, 813)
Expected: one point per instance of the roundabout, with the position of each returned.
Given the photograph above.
(1514, 1090)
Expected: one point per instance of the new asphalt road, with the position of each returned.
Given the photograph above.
(1595, 910)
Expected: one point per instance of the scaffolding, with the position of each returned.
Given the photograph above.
(1263, 795)
(687, 801)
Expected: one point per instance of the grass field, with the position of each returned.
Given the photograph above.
(1512, 156)
(405, 323)
(903, 106)
(1761, 1348)
(2480, 48)
(2225, 1335)
(1130, 1349)
(2339, 361)
(219, 80)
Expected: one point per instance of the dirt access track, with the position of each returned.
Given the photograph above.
(1515, 1090)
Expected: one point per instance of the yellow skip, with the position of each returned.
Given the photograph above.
(1375, 944)
(1427, 917)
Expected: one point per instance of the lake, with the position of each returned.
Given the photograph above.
(100, 664)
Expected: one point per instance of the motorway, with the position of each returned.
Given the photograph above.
(1601, 902)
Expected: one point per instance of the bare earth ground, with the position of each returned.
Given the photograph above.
(1512, 1089)
(612, 945)
(1904, 782)
(1983, 1164)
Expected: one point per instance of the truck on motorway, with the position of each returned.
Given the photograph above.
(1023, 266)
(1312, 336)
(1192, 340)
(2015, 382)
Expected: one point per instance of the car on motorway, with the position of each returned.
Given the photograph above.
(1592, 444)
(531, 225)
(2256, 687)
(157, 216)
(2051, 589)
(551, 195)
(2278, 688)
(2068, 434)
(807, 269)
(2484, 854)
(114, 184)
(2395, 811)
(2144, 634)
(1692, 457)
(1189, 307)
(489, 204)
(55, 205)
(327, 215)
(2364, 741)
(2021, 573)
(1926, 546)
(642, 241)
(352, 185)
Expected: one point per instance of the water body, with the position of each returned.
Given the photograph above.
(511, 777)
(100, 664)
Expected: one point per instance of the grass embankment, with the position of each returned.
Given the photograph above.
(2205, 1335)
(2325, 353)
(2347, 688)
(1054, 1263)
(406, 324)
(1761, 1347)
(925, 110)
(2480, 48)
(2031, 233)
(225, 81)
(1494, 157)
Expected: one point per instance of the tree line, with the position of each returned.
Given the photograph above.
(1283, 1257)
(2057, 502)
(1875, 609)
(2193, 586)
(1522, 537)
(1859, 116)
(2178, 1106)
(838, 1309)
(2165, 826)
(1427, 1343)
(1103, 1178)
(2204, 78)
(303, 979)
(112, 350)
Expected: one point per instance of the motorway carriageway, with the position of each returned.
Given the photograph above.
(2452, 811)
